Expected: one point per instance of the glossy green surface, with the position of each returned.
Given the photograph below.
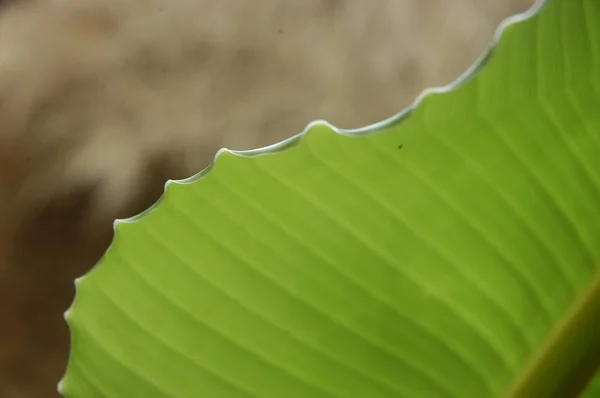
(430, 260)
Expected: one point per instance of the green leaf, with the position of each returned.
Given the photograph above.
(453, 254)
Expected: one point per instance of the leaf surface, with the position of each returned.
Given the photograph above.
(451, 251)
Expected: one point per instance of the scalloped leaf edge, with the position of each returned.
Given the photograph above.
(292, 142)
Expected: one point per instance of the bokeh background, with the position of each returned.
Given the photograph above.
(370, 59)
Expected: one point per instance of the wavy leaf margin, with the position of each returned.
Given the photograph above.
(584, 313)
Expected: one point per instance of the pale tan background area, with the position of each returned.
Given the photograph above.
(102, 101)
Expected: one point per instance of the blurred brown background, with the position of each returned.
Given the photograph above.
(101, 102)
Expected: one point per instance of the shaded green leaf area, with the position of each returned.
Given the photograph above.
(430, 260)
